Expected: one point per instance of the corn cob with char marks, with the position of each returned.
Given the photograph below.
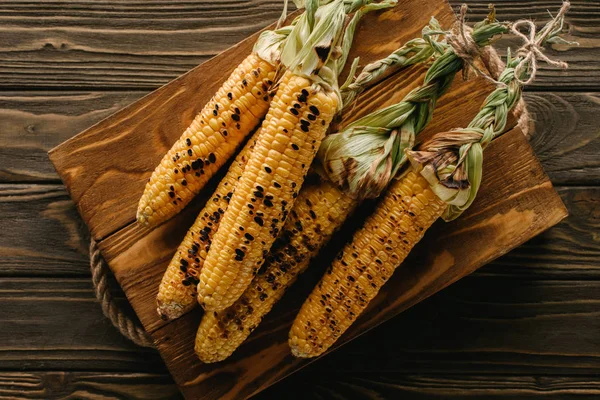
(290, 137)
(406, 211)
(442, 181)
(215, 133)
(297, 121)
(319, 211)
(209, 142)
(177, 291)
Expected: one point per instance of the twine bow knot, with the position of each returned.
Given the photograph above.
(532, 51)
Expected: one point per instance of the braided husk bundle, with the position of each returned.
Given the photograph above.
(452, 162)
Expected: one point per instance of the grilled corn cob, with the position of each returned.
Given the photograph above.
(319, 211)
(289, 139)
(215, 133)
(406, 211)
(177, 291)
(210, 140)
(297, 121)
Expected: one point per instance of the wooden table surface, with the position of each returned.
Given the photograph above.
(525, 326)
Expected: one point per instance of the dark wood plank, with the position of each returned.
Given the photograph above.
(568, 250)
(567, 138)
(42, 234)
(128, 44)
(33, 123)
(55, 385)
(98, 385)
(57, 324)
(394, 385)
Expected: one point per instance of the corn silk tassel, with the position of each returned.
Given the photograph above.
(307, 98)
(178, 288)
(442, 180)
(217, 131)
(320, 209)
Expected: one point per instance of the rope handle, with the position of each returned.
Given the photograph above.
(131, 329)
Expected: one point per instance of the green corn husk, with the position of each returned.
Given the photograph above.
(452, 162)
(318, 45)
(415, 51)
(365, 155)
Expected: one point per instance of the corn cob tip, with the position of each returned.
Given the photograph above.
(141, 218)
(169, 311)
(298, 348)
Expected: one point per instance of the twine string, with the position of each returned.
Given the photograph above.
(465, 47)
(129, 328)
(532, 49)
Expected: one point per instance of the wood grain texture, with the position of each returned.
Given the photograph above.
(567, 135)
(130, 44)
(28, 212)
(394, 385)
(55, 385)
(32, 123)
(57, 324)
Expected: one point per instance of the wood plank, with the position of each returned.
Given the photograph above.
(28, 214)
(570, 249)
(128, 44)
(567, 138)
(57, 324)
(34, 122)
(483, 324)
(55, 385)
(393, 385)
(510, 209)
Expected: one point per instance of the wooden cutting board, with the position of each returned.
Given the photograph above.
(105, 169)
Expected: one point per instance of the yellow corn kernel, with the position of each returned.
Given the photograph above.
(321, 208)
(363, 266)
(209, 142)
(261, 203)
(177, 291)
